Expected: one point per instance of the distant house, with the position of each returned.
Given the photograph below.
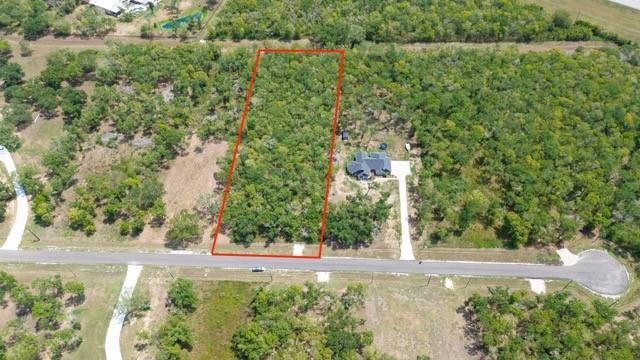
(367, 165)
(111, 7)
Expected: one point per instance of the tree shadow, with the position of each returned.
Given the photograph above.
(473, 345)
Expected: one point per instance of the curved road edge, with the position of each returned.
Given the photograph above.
(22, 204)
(596, 270)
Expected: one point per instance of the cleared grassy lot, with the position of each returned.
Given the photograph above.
(611, 16)
(408, 314)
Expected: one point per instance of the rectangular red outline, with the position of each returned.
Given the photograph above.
(239, 139)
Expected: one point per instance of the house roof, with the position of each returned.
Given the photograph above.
(113, 6)
(377, 162)
(355, 167)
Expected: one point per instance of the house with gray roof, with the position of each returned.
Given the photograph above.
(367, 165)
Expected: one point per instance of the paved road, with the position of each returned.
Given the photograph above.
(596, 270)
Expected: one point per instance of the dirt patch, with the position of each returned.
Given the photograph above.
(408, 321)
(189, 176)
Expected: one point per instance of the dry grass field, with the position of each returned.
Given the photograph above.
(408, 314)
(611, 16)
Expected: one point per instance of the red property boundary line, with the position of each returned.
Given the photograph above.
(329, 157)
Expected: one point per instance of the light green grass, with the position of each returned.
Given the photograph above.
(613, 17)
(223, 306)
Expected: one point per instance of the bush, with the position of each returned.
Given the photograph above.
(182, 295)
(76, 290)
(62, 27)
(11, 74)
(93, 22)
(184, 228)
(174, 338)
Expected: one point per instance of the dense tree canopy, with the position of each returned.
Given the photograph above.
(280, 174)
(340, 22)
(304, 321)
(514, 326)
(355, 222)
(533, 147)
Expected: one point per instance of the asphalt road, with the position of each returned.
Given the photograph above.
(596, 270)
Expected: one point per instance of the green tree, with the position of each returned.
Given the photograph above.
(184, 228)
(515, 229)
(182, 295)
(5, 51)
(7, 137)
(17, 114)
(355, 222)
(562, 19)
(46, 312)
(76, 290)
(174, 338)
(7, 283)
(11, 74)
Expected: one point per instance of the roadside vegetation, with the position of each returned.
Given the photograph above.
(43, 323)
(513, 325)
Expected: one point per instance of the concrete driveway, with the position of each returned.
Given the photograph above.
(401, 169)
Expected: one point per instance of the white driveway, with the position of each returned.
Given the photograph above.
(112, 341)
(22, 205)
(401, 169)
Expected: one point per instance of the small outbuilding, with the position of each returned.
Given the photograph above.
(366, 165)
(111, 7)
(344, 135)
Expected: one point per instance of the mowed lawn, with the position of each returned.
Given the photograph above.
(613, 17)
(223, 306)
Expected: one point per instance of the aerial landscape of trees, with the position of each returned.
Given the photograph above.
(309, 319)
(536, 146)
(339, 22)
(278, 183)
(35, 18)
(43, 324)
(514, 325)
(557, 158)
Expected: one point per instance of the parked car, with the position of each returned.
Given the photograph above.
(258, 269)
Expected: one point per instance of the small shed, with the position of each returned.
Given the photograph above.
(344, 135)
